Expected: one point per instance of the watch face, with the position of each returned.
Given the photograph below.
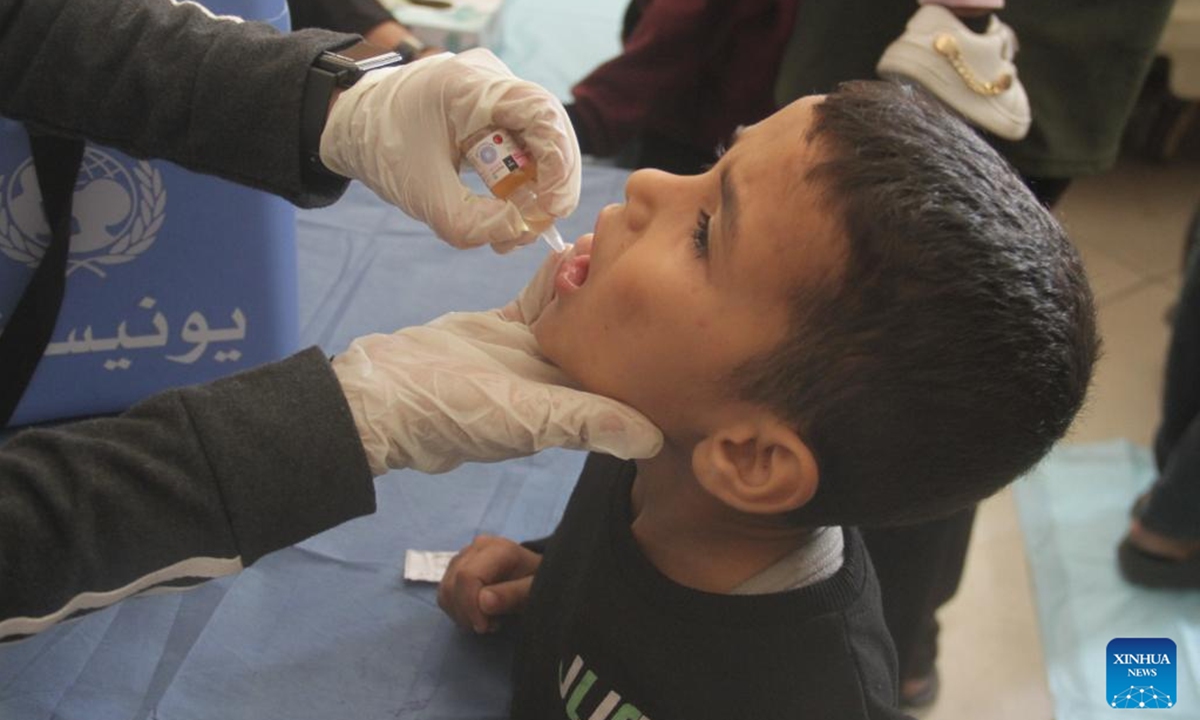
(362, 53)
(350, 63)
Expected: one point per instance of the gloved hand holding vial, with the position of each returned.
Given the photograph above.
(440, 109)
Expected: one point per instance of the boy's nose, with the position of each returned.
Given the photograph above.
(643, 191)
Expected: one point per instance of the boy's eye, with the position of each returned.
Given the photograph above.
(700, 234)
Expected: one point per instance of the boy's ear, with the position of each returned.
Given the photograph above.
(758, 466)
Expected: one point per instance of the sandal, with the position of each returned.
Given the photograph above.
(1155, 571)
(926, 693)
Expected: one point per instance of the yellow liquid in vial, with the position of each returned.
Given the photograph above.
(516, 188)
(507, 184)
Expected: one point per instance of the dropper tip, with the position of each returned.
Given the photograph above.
(553, 239)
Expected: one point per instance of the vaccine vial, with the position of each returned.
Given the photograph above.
(509, 172)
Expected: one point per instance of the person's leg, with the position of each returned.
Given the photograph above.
(1172, 509)
(975, 14)
(919, 568)
(1163, 545)
(1181, 394)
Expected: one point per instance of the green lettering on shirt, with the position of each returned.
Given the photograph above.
(581, 691)
(625, 711)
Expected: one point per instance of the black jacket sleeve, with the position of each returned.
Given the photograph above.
(159, 78)
(187, 485)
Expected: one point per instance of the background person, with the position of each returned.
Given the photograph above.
(689, 73)
(1162, 547)
(368, 18)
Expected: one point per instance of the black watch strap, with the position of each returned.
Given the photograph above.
(334, 69)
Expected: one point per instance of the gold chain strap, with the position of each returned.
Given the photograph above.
(947, 47)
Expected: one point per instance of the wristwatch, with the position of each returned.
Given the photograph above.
(334, 70)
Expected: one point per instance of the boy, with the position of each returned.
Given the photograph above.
(858, 316)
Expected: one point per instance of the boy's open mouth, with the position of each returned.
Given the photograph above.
(573, 272)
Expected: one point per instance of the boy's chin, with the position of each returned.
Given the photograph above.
(558, 348)
(549, 340)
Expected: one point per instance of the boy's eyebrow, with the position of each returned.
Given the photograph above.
(729, 198)
(729, 211)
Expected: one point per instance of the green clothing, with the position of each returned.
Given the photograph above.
(1082, 63)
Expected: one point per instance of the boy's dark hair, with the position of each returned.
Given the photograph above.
(958, 342)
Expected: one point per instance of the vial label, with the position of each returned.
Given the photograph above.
(496, 156)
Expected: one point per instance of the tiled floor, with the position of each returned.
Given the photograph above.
(1129, 225)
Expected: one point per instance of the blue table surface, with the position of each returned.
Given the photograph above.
(329, 628)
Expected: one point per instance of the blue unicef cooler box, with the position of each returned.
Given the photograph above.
(173, 278)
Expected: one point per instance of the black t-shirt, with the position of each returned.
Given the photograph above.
(608, 637)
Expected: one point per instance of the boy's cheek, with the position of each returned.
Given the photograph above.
(633, 300)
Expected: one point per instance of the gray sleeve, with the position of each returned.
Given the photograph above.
(186, 485)
(156, 78)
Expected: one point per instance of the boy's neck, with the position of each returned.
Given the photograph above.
(692, 537)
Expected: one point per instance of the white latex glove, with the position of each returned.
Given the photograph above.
(400, 131)
(475, 387)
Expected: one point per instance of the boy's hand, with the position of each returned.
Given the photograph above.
(486, 580)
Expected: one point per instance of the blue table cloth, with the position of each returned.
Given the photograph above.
(329, 628)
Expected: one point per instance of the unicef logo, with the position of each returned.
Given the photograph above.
(116, 213)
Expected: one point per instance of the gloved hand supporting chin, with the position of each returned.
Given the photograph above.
(475, 387)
